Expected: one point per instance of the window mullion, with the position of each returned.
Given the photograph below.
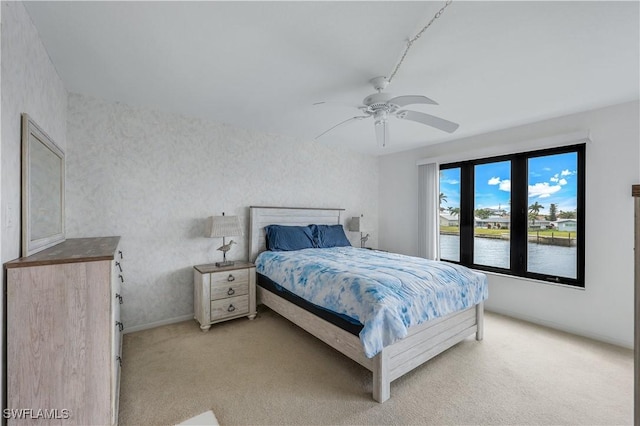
(519, 215)
(466, 214)
(581, 225)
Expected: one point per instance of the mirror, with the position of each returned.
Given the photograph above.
(42, 189)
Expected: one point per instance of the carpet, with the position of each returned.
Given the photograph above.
(269, 371)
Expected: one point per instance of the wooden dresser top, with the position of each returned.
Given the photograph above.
(72, 250)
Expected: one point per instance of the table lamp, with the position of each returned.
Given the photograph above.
(357, 225)
(223, 227)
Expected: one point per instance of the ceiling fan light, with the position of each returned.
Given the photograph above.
(382, 132)
(380, 116)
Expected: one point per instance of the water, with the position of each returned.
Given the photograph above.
(542, 258)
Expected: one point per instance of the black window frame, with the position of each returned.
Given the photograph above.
(519, 213)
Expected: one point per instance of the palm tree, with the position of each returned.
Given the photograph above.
(443, 199)
(534, 210)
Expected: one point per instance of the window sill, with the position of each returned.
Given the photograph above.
(533, 280)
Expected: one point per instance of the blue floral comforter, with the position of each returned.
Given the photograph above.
(386, 292)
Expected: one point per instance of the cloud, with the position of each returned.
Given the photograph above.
(451, 181)
(505, 185)
(561, 180)
(543, 190)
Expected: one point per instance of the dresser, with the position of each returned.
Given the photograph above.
(64, 333)
(224, 293)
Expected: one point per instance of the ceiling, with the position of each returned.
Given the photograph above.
(262, 65)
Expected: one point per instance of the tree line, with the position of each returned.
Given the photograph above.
(534, 211)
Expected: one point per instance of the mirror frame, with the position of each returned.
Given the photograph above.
(32, 133)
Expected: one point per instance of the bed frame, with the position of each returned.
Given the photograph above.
(421, 344)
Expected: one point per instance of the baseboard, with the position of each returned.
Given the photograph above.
(157, 324)
(562, 327)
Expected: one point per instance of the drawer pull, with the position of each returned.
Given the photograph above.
(120, 325)
(231, 308)
(120, 253)
(119, 297)
(119, 359)
(231, 278)
(121, 278)
(118, 265)
(231, 292)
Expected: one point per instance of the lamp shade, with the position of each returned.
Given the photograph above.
(356, 224)
(224, 226)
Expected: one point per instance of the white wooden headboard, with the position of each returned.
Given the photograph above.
(259, 217)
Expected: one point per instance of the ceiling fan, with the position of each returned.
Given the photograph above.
(381, 106)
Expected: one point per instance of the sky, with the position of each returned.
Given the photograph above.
(552, 179)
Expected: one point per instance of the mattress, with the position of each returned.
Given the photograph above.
(344, 322)
(386, 292)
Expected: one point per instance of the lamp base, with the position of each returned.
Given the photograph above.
(225, 263)
(363, 240)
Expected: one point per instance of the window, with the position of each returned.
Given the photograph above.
(519, 214)
(450, 214)
(492, 197)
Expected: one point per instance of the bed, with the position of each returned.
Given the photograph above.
(420, 343)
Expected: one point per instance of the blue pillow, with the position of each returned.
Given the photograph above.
(287, 238)
(330, 236)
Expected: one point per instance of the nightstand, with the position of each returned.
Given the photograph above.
(224, 293)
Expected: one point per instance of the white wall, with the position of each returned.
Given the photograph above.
(153, 178)
(29, 84)
(604, 309)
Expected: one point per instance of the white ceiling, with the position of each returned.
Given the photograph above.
(262, 65)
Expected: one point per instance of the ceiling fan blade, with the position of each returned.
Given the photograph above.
(402, 101)
(334, 103)
(382, 133)
(359, 117)
(429, 120)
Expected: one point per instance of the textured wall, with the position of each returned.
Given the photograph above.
(153, 178)
(30, 84)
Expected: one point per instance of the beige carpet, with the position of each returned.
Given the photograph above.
(268, 371)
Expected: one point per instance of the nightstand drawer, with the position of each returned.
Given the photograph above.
(229, 289)
(229, 307)
(222, 279)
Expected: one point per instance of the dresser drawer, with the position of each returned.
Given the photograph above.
(229, 307)
(222, 279)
